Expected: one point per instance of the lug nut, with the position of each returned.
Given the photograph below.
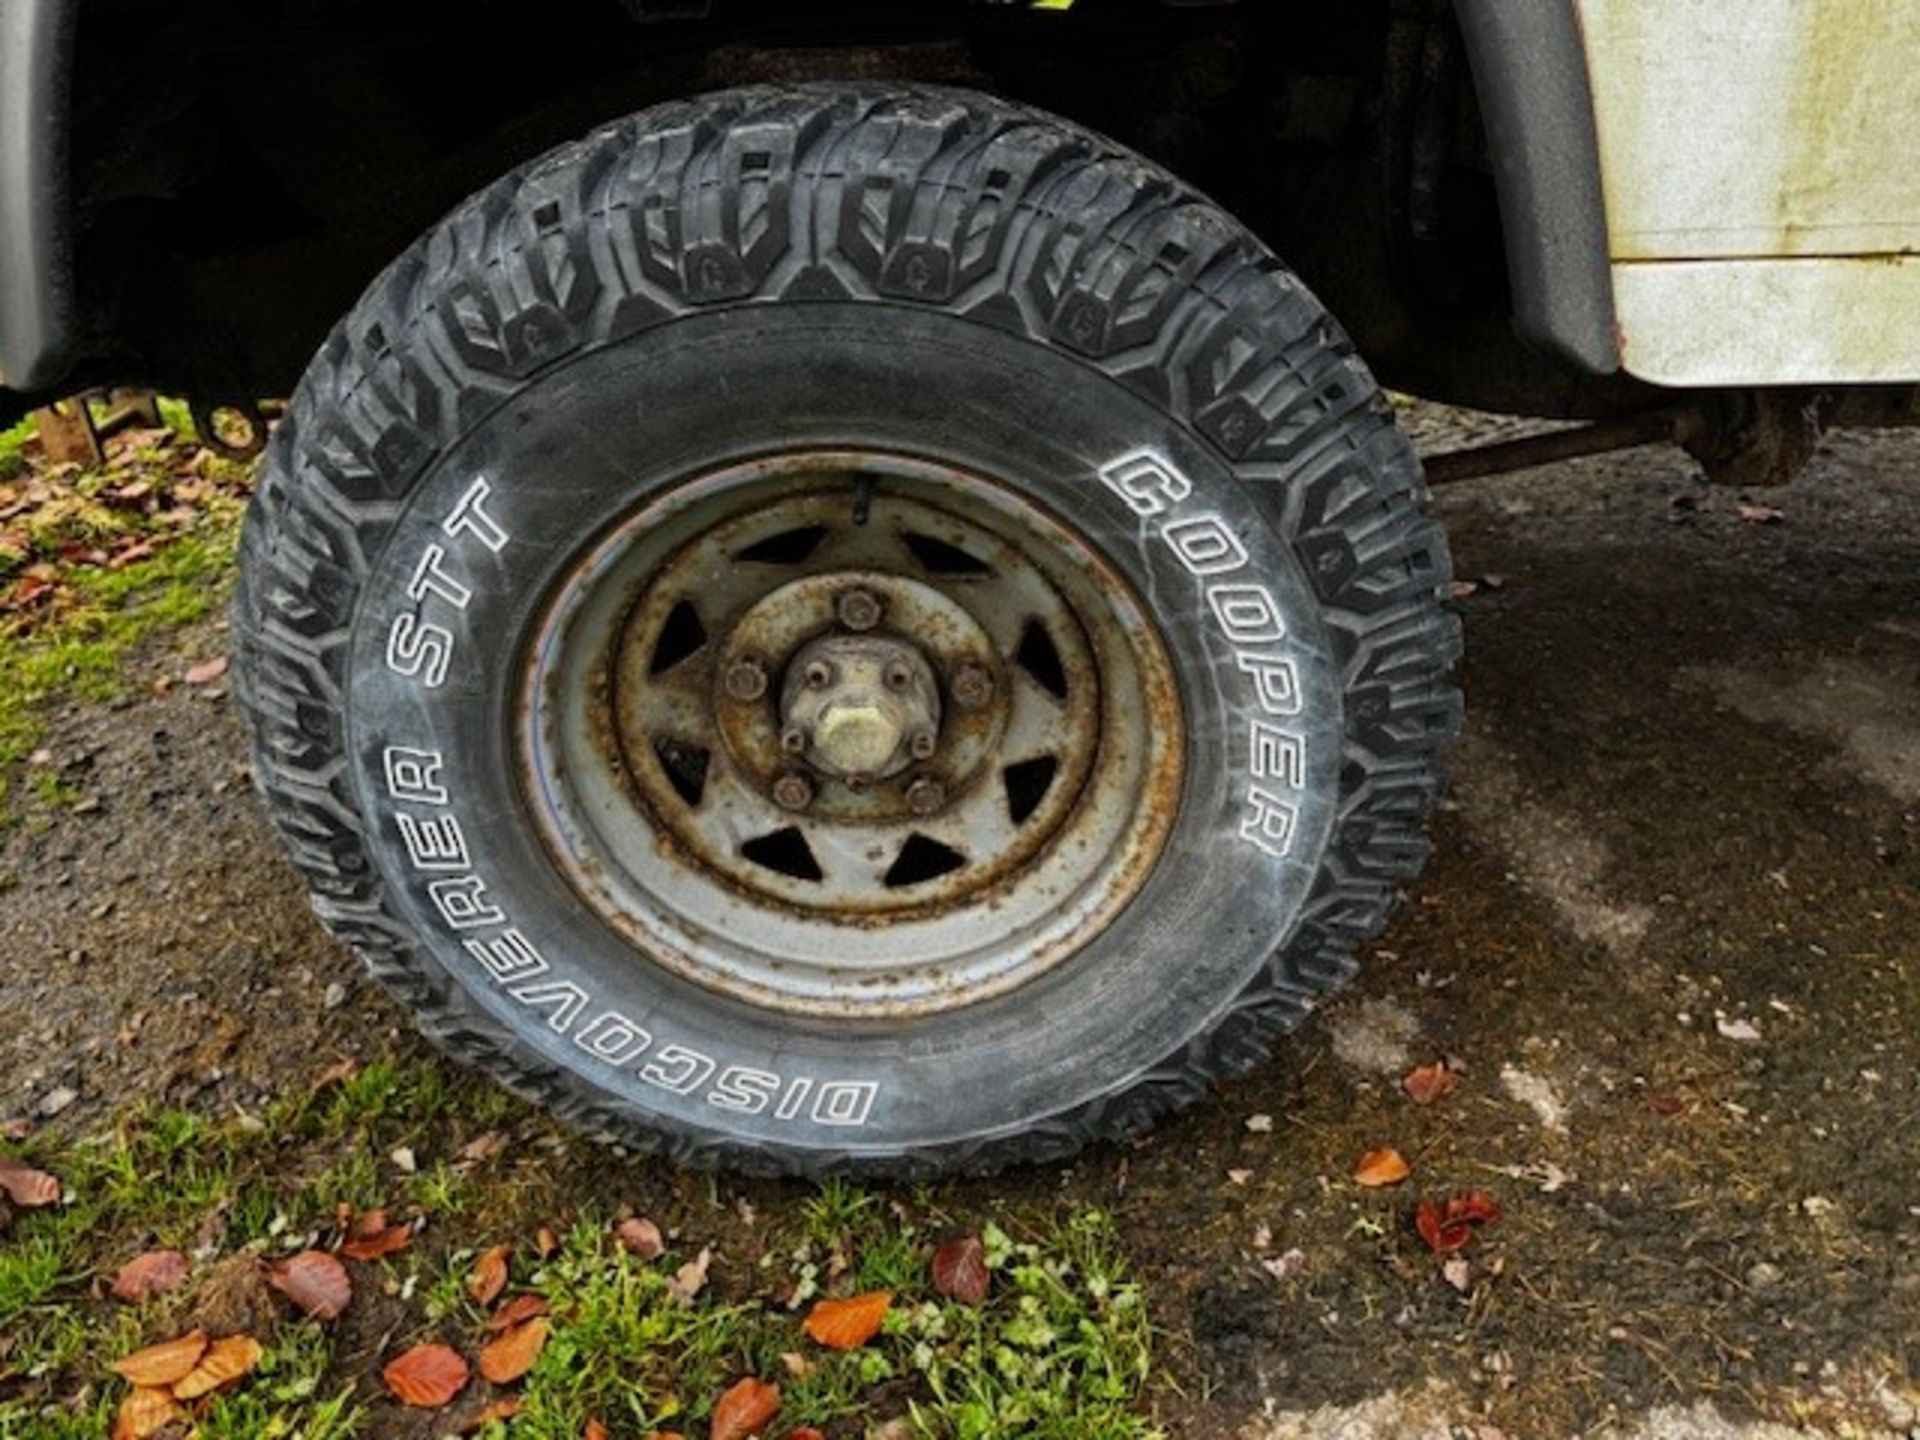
(819, 675)
(925, 796)
(859, 610)
(745, 680)
(793, 792)
(793, 740)
(972, 685)
(898, 677)
(923, 744)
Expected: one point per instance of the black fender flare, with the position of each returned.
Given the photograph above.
(36, 214)
(1529, 64)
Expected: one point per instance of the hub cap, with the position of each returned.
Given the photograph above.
(851, 734)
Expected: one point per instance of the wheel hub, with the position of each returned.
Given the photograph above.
(860, 708)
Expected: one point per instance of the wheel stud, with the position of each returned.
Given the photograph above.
(923, 744)
(972, 685)
(925, 796)
(745, 680)
(819, 675)
(793, 740)
(793, 792)
(859, 609)
(898, 677)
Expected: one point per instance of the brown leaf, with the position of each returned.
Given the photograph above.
(225, 1362)
(371, 1237)
(207, 671)
(595, 1431)
(746, 1409)
(427, 1377)
(483, 1147)
(315, 1281)
(517, 1311)
(1447, 1228)
(505, 1408)
(1425, 1084)
(146, 1412)
(805, 1432)
(1378, 1168)
(25, 1186)
(658, 1435)
(154, 1273)
(165, 1364)
(545, 1241)
(338, 1073)
(1755, 514)
(640, 1236)
(848, 1324)
(691, 1278)
(960, 1270)
(489, 1275)
(510, 1356)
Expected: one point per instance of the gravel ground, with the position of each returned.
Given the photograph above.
(1670, 939)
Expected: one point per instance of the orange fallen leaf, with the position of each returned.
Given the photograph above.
(489, 1275)
(848, 1324)
(511, 1355)
(226, 1361)
(146, 1412)
(805, 1432)
(660, 1435)
(545, 1241)
(165, 1364)
(960, 1270)
(315, 1281)
(505, 1408)
(1378, 1168)
(25, 1186)
(517, 1311)
(427, 1377)
(594, 1431)
(640, 1236)
(372, 1237)
(746, 1409)
(1425, 1084)
(154, 1273)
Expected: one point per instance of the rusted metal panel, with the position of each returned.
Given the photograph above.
(1763, 209)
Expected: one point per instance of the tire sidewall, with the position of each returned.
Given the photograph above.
(582, 446)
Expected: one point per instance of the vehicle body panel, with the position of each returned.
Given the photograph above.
(1763, 208)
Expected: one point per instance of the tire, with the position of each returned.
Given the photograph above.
(935, 275)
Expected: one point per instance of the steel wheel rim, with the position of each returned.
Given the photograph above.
(655, 770)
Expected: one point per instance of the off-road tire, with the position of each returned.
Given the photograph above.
(921, 207)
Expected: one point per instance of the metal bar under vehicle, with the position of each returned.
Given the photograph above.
(1529, 451)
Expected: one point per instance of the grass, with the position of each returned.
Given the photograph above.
(88, 574)
(1062, 1350)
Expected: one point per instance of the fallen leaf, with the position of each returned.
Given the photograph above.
(207, 671)
(545, 1241)
(1425, 1084)
(1668, 1105)
(1447, 1228)
(797, 1366)
(1379, 1168)
(1457, 1271)
(1285, 1267)
(746, 1409)
(404, 1160)
(166, 1364)
(427, 1377)
(640, 1236)
(315, 1281)
(507, 1358)
(805, 1432)
(691, 1278)
(1744, 1031)
(517, 1311)
(146, 1412)
(656, 1435)
(371, 1237)
(483, 1147)
(1755, 514)
(505, 1408)
(1239, 1177)
(960, 1270)
(226, 1361)
(338, 1073)
(595, 1431)
(154, 1273)
(1260, 1124)
(489, 1275)
(1461, 589)
(18, 1127)
(25, 1186)
(848, 1324)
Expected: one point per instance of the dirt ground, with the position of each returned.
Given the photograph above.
(1670, 939)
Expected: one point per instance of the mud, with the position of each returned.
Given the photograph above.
(1670, 938)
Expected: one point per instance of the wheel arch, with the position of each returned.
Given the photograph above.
(1529, 64)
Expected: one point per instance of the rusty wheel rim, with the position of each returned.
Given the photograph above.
(850, 734)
